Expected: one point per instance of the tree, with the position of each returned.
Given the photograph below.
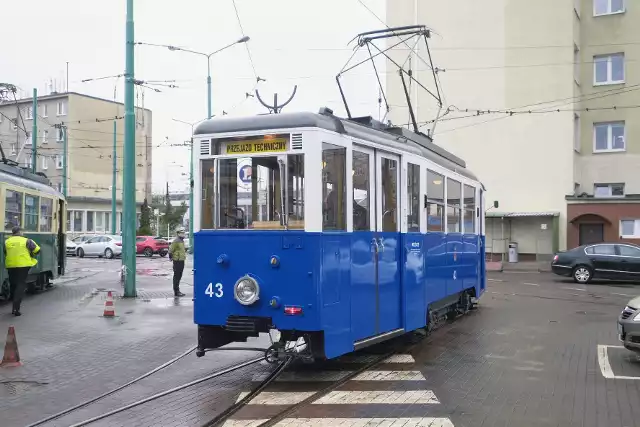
(145, 220)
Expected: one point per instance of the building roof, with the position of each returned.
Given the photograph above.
(58, 95)
(371, 130)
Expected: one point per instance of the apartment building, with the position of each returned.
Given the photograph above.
(89, 126)
(564, 165)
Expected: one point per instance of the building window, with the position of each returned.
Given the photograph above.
(60, 134)
(59, 162)
(435, 202)
(607, 7)
(45, 163)
(107, 221)
(14, 149)
(59, 187)
(31, 212)
(608, 69)
(28, 160)
(608, 137)
(453, 206)
(13, 209)
(45, 136)
(77, 220)
(15, 124)
(27, 139)
(29, 113)
(630, 228)
(61, 110)
(608, 190)
(576, 63)
(90, 223)
(45, 110)
(576, 133)
(413, 198)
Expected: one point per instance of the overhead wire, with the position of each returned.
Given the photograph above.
(246, 45)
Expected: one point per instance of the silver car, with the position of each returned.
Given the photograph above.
(629, 325)
(108, 246)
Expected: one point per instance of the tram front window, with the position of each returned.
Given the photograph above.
(252, 195)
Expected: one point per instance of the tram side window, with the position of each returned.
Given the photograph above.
(46, 215)
(361, 187)
(389, 195)
(334, 214)
(12, 209)
(435, 202)
(469, 209)
(454, 191)
(413, 198)
(295, 179)
(31, 207)
(208, 200)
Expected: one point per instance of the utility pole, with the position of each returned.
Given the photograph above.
(114, 180)
(65, 159)
(129, 181)
(34, 132)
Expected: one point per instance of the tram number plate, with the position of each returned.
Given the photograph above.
(620, 330)
(257, 146)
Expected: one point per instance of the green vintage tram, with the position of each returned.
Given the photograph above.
(28, 200)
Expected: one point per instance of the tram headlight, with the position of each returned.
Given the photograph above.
(246, 291)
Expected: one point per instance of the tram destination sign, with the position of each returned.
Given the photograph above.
(256, 146)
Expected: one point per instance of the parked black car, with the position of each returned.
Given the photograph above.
(613, 261)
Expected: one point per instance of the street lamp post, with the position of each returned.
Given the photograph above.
(208, 56)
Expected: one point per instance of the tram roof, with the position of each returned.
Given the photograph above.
(14, 175)
(364, 128)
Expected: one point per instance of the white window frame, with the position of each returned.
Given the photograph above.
(45, 112)
(609, 148)
(27, 139)
(28, 160)
(45, 164)
(610, 187)
(59, 161)
(29, 113)
(14, 123)
(60, 109)
(60, 134)
(45, 136)
(577, 64)
(14, 149)
(609, 59)
(609, 12)
(636, 229)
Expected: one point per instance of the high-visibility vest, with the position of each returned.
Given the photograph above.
(17, 254)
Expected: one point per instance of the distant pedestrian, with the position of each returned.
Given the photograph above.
(20, 255)
(178, 255)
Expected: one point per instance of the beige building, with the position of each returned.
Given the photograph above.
(89, 125)
(566, 173)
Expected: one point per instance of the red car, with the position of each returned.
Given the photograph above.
(149, 245)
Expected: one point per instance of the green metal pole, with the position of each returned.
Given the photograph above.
(114, 180)
(34, 132)
(191, 243)
(129, 182)
(65, 159)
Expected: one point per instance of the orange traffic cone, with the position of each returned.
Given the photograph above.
(11, 356)
(109, 308)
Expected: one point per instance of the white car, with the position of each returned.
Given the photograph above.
(108, 246)
(72, 247)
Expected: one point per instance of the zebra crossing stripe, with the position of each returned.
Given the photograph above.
(400, 358)
(412, 397)
(390, 376)
(319, 376)
(277, 397)
(348, 422)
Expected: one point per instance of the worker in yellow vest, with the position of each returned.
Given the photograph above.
(20, 255)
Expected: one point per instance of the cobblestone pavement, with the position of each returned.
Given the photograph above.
(539, 351)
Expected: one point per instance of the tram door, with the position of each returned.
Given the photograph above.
(375, 278)
(388, 274)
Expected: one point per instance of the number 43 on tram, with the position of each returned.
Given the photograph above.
(337, 233)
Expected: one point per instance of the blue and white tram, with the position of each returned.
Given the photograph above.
(339, 233)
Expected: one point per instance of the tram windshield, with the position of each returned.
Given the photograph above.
(251, 193)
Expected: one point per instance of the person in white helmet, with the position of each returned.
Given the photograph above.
(178, 255)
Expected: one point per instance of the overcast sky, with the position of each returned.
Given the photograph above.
(293, 42)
